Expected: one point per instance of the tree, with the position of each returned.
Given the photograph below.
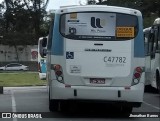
(21, 22)
(23, 17)
(150, 8)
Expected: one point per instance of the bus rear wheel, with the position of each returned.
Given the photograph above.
(53, 105)
(126, 110)
(56, 105)
(158, 81)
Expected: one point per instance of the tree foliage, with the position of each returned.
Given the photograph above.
(150, 8)
(22, 20)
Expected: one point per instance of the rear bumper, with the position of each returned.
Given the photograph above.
(134, 95)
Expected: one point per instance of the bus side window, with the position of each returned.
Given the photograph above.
(50, 36)
(158, 40)
(151, 37)
(146, 42)
(44, 42)
(154, 42)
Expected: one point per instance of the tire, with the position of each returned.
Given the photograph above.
(126, 110)
(53, 105)
(57, 105)
(158, 81)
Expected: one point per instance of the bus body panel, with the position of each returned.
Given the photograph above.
(87, 55)
(60, 92)
(93, 64)
(155, 66)
(100, 8)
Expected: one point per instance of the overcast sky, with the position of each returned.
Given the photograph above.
(54, 4)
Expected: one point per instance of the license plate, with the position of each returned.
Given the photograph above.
(97, 81)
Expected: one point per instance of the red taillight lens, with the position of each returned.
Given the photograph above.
(57, 67)
(58, 73)
(139, 69)
(137, 75)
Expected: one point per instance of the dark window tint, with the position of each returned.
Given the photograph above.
(50, 36)
(98, 26)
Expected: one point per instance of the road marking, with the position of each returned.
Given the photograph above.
(152, 105)
(13, 104)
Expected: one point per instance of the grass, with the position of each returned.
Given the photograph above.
(20, 79)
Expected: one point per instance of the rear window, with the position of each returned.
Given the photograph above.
(98, 26)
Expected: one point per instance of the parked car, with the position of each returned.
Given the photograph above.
(14, 67)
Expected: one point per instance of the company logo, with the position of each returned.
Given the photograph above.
(96, 22)
(6, 115)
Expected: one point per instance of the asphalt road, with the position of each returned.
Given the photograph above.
(35, 100)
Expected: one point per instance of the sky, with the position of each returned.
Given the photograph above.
(54, 4)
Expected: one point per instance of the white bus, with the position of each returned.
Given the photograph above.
(42, 45)
(96, 53)
(152, 42)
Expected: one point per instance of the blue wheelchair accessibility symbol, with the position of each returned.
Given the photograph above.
(69, 55)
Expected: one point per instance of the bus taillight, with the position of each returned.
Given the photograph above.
(139, 69)
(58, 72)
(57, 67)
(137, 75)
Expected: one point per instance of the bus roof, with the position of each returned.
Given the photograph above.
(157, 21)
(146, 29)
(83, 8)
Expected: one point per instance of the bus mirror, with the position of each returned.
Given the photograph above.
(159, 45)
(44, 42)
(44, 52)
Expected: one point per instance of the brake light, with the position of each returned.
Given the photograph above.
(57, 67)
(137, 75)
(139, 69)
(58, 72)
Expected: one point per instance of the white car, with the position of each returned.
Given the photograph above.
(14, 67)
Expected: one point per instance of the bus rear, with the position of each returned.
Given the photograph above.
(102, 56)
